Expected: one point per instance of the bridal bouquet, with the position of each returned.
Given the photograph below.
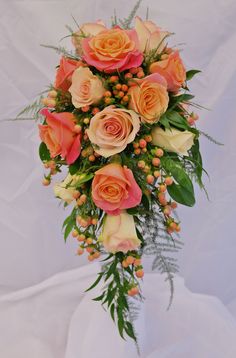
(118, 124)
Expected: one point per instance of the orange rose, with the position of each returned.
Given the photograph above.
(114, 189)
(172, 69)
(64, 73)
(86, 30)
(112, 129)
(86, 88)
(59, 136)
(112, 50)
(150, 36)
(149, 97)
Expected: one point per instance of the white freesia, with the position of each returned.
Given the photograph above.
(119, 233)
(173, 140)
(65, 189)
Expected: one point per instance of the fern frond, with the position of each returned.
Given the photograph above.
(31, 110)
(62, 51)
(125, 23)
(210, 138)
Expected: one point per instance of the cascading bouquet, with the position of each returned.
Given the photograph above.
(118, 118)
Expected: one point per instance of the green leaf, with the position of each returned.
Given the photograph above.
(44, 152)
(111, 270)
(185, 97)
(197, 159)
(130, 331)
(112, 311)
(182, 191)
(146, 200)
(191, 73)
(175, 119)
(95, 282)
(99, 298)
(84, 178)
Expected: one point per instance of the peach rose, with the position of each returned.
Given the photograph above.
(173, 140)
(112, 129)
(172, 69)
(86, 30)
(119, 233)
(149, 97)
(86, 88)
(58, 135)
(114, 188)
(150, 36)
(112, 50)
(64, 72)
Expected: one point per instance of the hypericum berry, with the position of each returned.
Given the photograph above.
(135, 145)
(121, 94)
(162, 188)
(128, 75)
(107, 94)
(114, 79)
(89, 250)
(81, 237)
(195, 116)
(178, 228)
(173, 225)
(83, 198)
(140, 74)
(86, 120)
(124, 264)
(144, 150)
(142, 143)
(96, 254)
(85, 108)
(52, 94)
(150, 179)
(75, 233)
(146, 169)
(80, 251)
(139, 273)
(159, 152)
(90, 257)
(133, 70)
(162, 199)
(118, 86)
(167, 210)
(137, 151)
(124, 88)
(92, 158)
(168, 181)
(125, 98)
(190, 121)
(130, 260)
(94, 221)
(95, 110)
(174, 205)
(141, 164)
(77, 128)
(156, 162)
(157, 174)
(133, 291)
(148, 138)
(137, 262)
(107, 100)
(46, 181)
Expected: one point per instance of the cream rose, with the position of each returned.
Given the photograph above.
(86, 88)
(150, 36)
(119, 233)
(149, 97)
(65, 189)
(173, 140)
(112, 129)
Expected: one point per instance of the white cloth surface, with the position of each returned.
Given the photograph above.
(55, 319)
(31, 245)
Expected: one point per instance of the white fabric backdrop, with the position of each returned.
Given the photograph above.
(31, 245)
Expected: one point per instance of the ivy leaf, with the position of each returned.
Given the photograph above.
(44, 153)
(191, 73)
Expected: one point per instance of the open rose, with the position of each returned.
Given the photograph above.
(112, 50)
(112, 129)
(119, 233)
(86, 88)
(172, 69)
(150, 36)
(86, 30)
(149, 97)
(114, 188)
(173, 140)
(64, 72)
(58, 135)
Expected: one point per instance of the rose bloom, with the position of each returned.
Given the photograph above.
(173, 140)
(112, 129)
(112, 50)
(86, 30)
(114, 188)
(86, 88)
(150, 36)
(119, 233)
(65, 189)
(172, 69)
(149, 97)
(58, 135)
(64, 72)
